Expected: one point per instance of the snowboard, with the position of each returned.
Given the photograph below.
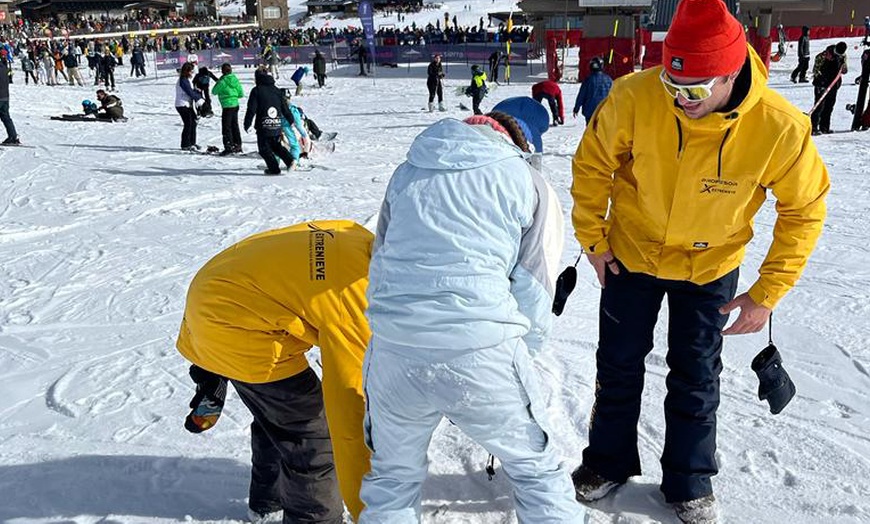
(462, 90)
(18, 145)
(85, 118)
(861, 119)
(320, 147)
(327, 137)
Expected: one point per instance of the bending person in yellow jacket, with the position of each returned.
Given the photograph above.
(671, 170)
(252, 312)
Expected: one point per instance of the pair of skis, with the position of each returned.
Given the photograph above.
(828, 90)
(85, 118)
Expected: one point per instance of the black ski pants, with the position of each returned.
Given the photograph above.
(230, 129)
(629, 308)
(821, 117)
(7, 120)
(435, 89)
(291, 453)
(493, 73)
(28, 75)
(269, 146)
(188, 134)
(800, 72)
(109, 78)
(475, 104)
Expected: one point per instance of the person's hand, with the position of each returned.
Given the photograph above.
(199, 102)
(602, 261)
(574, 114)
(752, 319)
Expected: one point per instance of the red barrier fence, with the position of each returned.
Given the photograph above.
(618, 55)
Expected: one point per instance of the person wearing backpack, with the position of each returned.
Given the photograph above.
(202, 83)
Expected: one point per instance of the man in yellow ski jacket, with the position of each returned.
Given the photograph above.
(252, 313)
(670, 172)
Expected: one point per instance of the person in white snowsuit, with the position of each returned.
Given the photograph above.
(461, 284)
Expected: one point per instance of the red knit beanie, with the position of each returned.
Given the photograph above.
(704, 40)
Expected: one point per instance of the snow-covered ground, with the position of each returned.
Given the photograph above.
(102, 227)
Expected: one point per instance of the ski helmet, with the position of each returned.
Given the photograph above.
(596, 64)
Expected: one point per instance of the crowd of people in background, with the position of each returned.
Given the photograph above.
(446, 31)
(83, 24)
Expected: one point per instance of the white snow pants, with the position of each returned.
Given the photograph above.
(493, 396)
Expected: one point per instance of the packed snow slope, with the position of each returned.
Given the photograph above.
(102, 227)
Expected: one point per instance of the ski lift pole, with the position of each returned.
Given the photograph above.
(374, 65)
(612, 39)
(507, 44)
(565, 39)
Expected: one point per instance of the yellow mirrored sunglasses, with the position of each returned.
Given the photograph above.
(691, 92)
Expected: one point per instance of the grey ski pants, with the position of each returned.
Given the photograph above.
(292, 462)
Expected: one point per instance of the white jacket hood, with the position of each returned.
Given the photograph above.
(452, 144)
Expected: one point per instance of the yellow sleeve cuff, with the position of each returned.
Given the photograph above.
(761, 297)
(602, 246)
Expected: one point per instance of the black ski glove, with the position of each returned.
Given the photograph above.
(208, 401)
(774, 384)
(564, 286)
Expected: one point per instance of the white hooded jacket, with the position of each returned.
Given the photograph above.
(467, 247)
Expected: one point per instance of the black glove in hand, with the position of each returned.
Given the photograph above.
(208, 402)
(774, 384)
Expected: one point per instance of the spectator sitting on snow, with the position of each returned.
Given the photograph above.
(111, 107)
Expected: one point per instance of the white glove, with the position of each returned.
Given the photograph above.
(199, 103)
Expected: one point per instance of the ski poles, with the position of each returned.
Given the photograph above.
(828, 90)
